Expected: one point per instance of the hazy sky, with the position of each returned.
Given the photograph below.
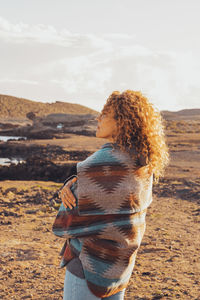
(81, 50)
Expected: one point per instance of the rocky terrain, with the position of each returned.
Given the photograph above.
(167, 265)
(37, 120)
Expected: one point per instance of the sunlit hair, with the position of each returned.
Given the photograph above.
(140, 127)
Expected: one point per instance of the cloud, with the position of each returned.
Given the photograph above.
(18, 81)
(42, 34)
(40, 62)
(119, 36)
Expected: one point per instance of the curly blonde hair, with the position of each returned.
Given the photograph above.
(140, 126)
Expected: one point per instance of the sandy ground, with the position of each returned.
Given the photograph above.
(167, 265)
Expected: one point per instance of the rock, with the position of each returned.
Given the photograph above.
(10, 195)
(22, 192)
(13, 190)
(158, 296)
(8, 213)
(11, 259)
(146, 273)
(30, 296)
(53, 202)
(5, 222)
(31, 211)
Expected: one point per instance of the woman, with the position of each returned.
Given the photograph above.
(104, 207)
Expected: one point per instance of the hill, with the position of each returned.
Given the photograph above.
(184, 114)
(17, 108)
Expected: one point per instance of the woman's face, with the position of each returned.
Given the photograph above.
(107, 126)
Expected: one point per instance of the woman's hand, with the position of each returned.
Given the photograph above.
(67, 196)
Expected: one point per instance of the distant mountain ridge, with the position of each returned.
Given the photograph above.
(17, 108)
(184, 114)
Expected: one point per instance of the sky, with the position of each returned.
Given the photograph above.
(81, 51)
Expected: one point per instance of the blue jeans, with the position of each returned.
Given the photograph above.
(76, 288)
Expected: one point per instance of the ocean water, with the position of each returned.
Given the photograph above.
(5, 161)
(5, 138)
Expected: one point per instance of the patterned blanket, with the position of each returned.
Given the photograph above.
(108, 223)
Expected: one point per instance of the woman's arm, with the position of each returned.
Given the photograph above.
(69, 224)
